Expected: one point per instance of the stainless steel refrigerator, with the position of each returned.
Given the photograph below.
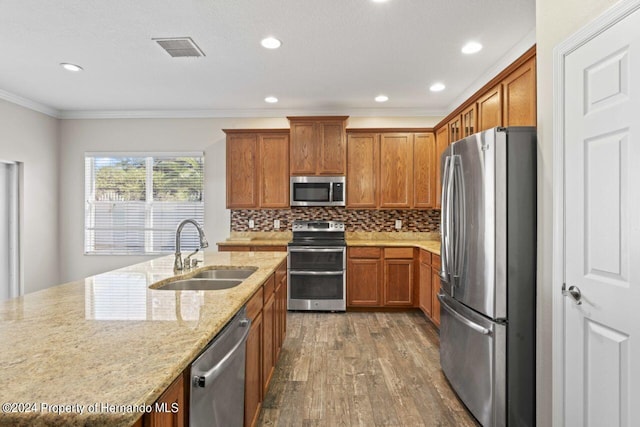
(488, 276)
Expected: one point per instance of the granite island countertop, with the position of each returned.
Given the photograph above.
(111, 340)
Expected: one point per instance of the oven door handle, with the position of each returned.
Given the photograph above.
(316, 273)
(315, 250)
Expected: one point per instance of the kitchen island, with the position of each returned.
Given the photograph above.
(100, 350)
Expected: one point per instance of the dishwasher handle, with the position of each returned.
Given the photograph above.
(210, 376)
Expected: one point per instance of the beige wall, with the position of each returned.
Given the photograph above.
(556, 20)
(78, 136)
(32, 138)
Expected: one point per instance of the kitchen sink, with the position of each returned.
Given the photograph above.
(199, 284)
(231, 273)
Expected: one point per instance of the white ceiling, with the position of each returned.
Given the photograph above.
(336, 56)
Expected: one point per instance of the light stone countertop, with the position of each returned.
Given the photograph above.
(109, 339)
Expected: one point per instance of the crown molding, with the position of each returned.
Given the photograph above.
(27, 103)
(514, 53)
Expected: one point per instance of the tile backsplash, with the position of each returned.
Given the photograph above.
(355, 220)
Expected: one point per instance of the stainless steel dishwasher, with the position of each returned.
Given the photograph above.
(217, 377)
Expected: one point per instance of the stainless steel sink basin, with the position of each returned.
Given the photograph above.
(235, 273)
(200, 285)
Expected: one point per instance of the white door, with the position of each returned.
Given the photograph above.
(602, 226)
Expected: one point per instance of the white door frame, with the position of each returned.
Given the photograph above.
(610, 17)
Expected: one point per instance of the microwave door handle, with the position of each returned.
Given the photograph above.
(444, 274)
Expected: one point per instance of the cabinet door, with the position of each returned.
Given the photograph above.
(424, 185)
(490, 109)
(274, 170)
(455, 129)
(469, 117)
(398, 282)
(519, 91)
(304, 150)
(242, 177)
(426, 293)
(253, 373)
(396, 170)
(268, 341)
(363, 158)
(332, 141)
(364, 278)
(442, 142)
(172, 397)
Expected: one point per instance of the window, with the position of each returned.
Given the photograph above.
(135, 201)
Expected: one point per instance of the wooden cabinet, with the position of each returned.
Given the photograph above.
(425, 280)
(396, 170)
(363, 161)
(455, 129)
(435, 284)
(469, 117)
(364, 277)
(379, 277)
(281, 307)
(253, 391)
(318, 145)
(442, 142)
(390, 170)
(268, 333)
(172, 402)
(257, 168)
(519, 96)
(424, 170)
(490, 109)
(242, 173)
(398, 277)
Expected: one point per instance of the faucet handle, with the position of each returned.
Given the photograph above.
(194, 263)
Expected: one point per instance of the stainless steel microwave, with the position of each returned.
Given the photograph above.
(318, 191)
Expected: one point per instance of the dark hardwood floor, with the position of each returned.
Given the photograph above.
(361, 369)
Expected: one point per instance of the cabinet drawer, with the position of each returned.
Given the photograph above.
(254, 306)
(265, 248)
(435, 261)
(364, 252)
(228, 248)
(269, 287)
(398, 253)
(425, 257)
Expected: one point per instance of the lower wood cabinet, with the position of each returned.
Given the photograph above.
(435, 283)
(253, 372)
(173, 397)
(379, 277)
(425, 281)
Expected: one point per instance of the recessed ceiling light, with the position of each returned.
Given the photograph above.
(379, 1)
(271, 43)
(271, 99)
(382, 98)
(471, 47)
(71, 67)
(437, 87)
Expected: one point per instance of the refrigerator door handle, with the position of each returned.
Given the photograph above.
(446, 220)
(461, 318)
(460, 219)
(451, 254)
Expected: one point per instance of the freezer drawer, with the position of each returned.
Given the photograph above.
(473, 358)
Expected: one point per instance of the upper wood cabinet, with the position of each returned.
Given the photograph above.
(469, 117)
(442, 142)
(490, 109)
(392, 170)
(318, 145)
(424, 170)
(363, 158)
(257, 169)
(396, 170)
(455, 129)
(242, 172)
(519, 96)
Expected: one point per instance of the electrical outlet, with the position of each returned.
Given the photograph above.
(276, 224)
(251, 223)
(398, 224)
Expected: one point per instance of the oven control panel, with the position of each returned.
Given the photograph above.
(300, 225)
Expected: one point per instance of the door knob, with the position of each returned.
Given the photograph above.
(573, 292)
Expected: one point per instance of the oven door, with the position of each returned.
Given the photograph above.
(309, 258)
(316, 290)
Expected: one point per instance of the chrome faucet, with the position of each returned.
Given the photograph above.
(178, 264)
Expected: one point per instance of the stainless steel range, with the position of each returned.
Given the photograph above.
(316, 264)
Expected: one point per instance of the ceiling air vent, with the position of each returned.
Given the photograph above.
(180, 47)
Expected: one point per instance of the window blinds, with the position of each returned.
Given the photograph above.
(135, 201)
